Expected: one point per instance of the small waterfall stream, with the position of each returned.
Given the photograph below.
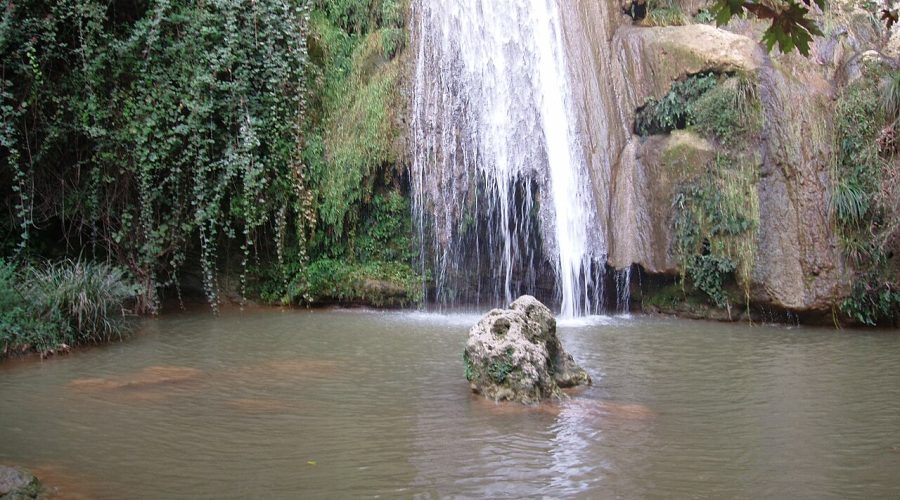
(501, 191)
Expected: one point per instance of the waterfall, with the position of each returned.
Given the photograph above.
(501, 191)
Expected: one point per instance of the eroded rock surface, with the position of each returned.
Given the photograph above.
(514, 354)
(616, 68)
(17, 483)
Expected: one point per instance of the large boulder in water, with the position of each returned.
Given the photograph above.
(514, 354)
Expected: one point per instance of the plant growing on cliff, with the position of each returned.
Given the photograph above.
(673, 110)
(353, 132)
(665, 13)
(715, 219)
(873, 300)
(864, 198)
(730, 113)
(721, 107)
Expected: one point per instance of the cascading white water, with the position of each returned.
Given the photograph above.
(499, 181)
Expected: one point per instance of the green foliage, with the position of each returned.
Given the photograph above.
(392, 40)
(375, 283)
(155, 128)
(665, 13)
(890, 92)
(65, 302)
(859, 166)
(329, 281)
(361, 244)
(86, 300)
(727, 109)
(859, 119)
(791, 25)
(704, 16)
(863, 204)
(386, 230)
(730, 112)
(716, 216)
(792, 28)
(874, 300)
(20, 330)
(849, 203)
(665, 298)
(673, 110)
(165, 129)
(377, 271)
(353, 135)
(359, 17)
(708, 273)
(351, 16)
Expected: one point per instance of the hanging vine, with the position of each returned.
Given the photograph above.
(171, 125)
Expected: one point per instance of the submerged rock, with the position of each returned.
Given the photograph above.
(152, 376)
(17, 483)
(514, 354)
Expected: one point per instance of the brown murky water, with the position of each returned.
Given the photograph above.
(361, 404)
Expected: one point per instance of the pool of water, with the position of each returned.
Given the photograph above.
(364, 404)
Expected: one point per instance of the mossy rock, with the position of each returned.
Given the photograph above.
(17, 483)
(685, 154)
(514, 354)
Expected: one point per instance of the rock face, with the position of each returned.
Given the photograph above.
(18, 484)
(514, 354)
(617, 67)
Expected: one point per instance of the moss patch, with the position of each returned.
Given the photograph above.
(500, 368)
(716, 218)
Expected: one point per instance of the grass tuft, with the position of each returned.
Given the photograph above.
(66, 302)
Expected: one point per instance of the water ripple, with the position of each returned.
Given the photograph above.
(365, 403)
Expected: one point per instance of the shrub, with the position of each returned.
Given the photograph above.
(725, 110)
(890, 94)
(666, 16)
(672, 111)
(874, 300)
(709, 272)
(85, 300)
(68, 302)
(376, 283)
(704, 16)
(20, 329)
(729, 112)
(334, 280)
(849, 203)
